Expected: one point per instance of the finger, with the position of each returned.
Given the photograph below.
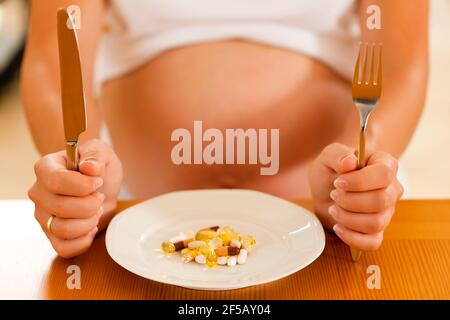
(53, 175)
(73, 247)
(384, 158)
(94, 157)
(364, 223)
(72, 228)
(67, 206)
(41, 217)
(66, 228)
(339, 158)
(379, 173)
(357, 240)
(366, 202)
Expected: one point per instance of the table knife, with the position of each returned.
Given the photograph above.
(72, 94)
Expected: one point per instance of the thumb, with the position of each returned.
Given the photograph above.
(93, 158)
(339, 158)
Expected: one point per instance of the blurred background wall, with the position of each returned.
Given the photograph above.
(426, 162)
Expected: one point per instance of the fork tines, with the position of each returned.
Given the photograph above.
(367, 79)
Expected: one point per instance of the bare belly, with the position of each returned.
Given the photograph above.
(227, 85)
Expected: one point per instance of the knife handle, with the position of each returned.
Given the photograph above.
(72, 155)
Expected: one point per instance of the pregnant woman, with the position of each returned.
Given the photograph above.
(152, 66)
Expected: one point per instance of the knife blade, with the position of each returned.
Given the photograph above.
(72, 93)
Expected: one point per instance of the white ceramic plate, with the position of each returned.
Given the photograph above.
(288, 237)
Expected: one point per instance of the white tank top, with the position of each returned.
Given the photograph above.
(138, 30)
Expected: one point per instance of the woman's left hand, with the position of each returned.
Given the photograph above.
(357, 204)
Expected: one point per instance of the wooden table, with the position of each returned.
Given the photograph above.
(414, 262)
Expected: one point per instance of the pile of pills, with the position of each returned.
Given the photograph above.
(213, 246)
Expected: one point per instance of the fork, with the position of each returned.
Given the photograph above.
(366, 92)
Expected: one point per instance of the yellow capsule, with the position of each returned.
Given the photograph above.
(211, 259)
(195, 252)
(205, 235)
(225, 229)
(235, 236)
(187, 257)
(226, 238)
(205, 249)
(215, 242)
(248, 242)
(168, 247)
(185, 251)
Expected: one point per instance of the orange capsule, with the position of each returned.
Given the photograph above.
(179, 245)
(227, 251)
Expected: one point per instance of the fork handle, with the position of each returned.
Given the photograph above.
(361, 153)
(362, 147)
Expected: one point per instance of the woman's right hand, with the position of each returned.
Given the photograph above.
(81, 202)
